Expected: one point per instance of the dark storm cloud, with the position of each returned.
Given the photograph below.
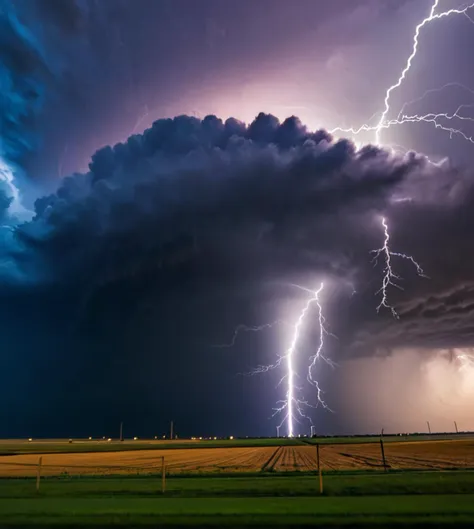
(435, 227)
(5, 203)
(23, 66)
(172, 238)
(256, 194)
(31, 73)
(265, 202)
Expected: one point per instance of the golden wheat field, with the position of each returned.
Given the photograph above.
(422, 455)
(208, 460)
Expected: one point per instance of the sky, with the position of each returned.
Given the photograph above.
(170, 170)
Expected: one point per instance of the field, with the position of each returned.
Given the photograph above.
(47, 446)
(374, 500)
(239, 482)
(417, 455)
(20, 446)
(383, 511)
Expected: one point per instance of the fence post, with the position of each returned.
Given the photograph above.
(383, 455)
(319, 469)
(38, 473)
(163, 475)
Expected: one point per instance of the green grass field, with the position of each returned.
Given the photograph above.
(366, 511)
(356, 500)
(351, 484)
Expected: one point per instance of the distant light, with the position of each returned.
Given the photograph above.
(103, 437)
(164, 436)
(200, 438)
(156, 437)
(231, 437)
(135, 438)
(109, 439)
(215, 438)
(30, 439)
(90, 438)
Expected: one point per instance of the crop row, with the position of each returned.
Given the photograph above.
(418, 455)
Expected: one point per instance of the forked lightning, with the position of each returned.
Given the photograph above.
(390, 277)
(294, 405)
(292, 402)
(435, 119)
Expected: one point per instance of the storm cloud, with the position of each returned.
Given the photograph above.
(183, 232)
(266, 201)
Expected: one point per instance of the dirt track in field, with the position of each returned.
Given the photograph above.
(424, 455)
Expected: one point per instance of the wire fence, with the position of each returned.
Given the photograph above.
(304, 458)
(375, 468)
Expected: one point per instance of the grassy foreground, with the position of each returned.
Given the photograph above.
(330, 511)
(355, 500)
(351, 484)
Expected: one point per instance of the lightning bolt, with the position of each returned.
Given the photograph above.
(390, 277)
(292, 402)
(294, 405)
(319, 352)
(430, 118)
(434, 91)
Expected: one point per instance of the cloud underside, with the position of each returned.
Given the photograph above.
(270, 201)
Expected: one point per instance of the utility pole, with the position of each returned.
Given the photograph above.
(429, 428)
(383, 454)
(171, 430)
(121, 431)
(456, 426)
(320, 472)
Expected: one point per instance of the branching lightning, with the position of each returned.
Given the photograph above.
(294, 405)
(390, 277)
(435, 119)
